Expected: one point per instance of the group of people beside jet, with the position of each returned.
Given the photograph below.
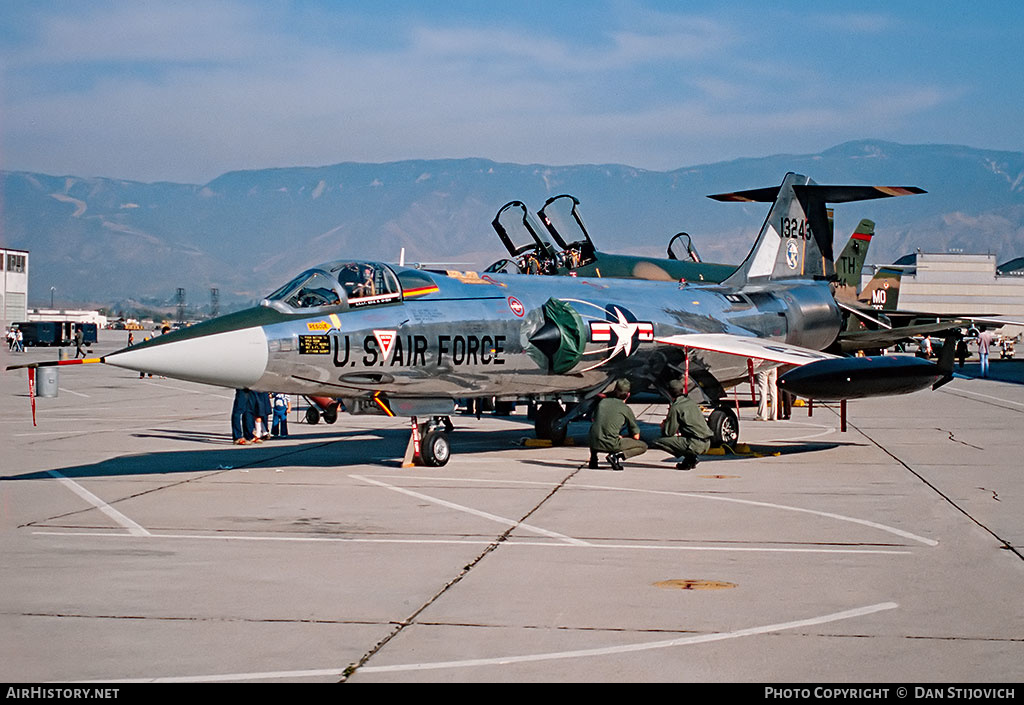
(685, 433)
(259, 416)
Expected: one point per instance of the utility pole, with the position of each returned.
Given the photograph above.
(214, 302)
(181, 305)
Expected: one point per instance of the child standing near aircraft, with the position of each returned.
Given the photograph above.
(282, 405)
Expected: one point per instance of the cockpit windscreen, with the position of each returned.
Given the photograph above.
(347, 284)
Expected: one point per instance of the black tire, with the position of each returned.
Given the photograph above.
(545, 427)
(435, 449)
(725, 427)
(312, 416)
(331, 414)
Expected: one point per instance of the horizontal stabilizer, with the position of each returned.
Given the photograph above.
(795, 241)
(821, 192)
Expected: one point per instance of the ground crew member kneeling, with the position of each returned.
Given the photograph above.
(610, 416)
(685, 433)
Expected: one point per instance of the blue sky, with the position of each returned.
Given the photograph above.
(187, 90)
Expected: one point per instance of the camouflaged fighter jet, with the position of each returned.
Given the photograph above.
(400, 341)
(548, 251)
(532, 252)
(876, 322)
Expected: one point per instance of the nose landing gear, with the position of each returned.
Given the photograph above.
(428, 442)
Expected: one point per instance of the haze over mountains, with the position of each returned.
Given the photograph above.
(103, 240)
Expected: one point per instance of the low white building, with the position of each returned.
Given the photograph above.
(67, 314)
(14, 295)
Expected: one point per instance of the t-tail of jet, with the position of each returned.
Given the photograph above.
(795, 241)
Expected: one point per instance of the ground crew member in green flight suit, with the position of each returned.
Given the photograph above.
(685, 432)
(610, 416)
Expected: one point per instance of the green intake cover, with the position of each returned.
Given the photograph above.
(573, 337)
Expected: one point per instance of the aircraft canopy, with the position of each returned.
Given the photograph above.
(339, 284)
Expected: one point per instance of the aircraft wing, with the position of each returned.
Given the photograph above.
(744, 346)
(867, 339)
(964, 319)
(894, 326)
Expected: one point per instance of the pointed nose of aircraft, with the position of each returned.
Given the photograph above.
(235, 358)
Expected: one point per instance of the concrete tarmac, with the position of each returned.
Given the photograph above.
(139, 544)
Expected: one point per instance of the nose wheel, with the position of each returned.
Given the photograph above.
(435, 448)
(428, 443)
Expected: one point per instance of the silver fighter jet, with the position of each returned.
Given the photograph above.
(401, 341)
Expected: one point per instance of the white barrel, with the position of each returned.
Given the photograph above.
(46, 382)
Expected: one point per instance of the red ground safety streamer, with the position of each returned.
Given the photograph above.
(32, 391)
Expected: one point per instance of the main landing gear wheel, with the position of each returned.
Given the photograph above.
(435, 448)
(725, 427)
(312, 416)
(331, 414)
(546, 423)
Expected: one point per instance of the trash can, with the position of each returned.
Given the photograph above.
(46, 382)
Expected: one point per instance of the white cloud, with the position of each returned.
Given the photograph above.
(149, 31)
(222, 87)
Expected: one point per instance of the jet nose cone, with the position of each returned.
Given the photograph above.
(234, 358)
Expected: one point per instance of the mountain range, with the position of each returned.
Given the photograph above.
(104, 240)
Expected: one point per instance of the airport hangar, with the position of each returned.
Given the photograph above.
(959, 283)
(14, 296)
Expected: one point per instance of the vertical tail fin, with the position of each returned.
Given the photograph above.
(795, 241)
(851, 259)
(883, 291)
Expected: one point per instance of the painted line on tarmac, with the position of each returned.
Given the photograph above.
(133, 528)
(475, 512)
(511, 542)
(184, 389)
(826, 431)
(960, 390)
(71, 391)
(633, 648)
(156, 420)
(716, 498)
(529, 658)
(784, 507)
